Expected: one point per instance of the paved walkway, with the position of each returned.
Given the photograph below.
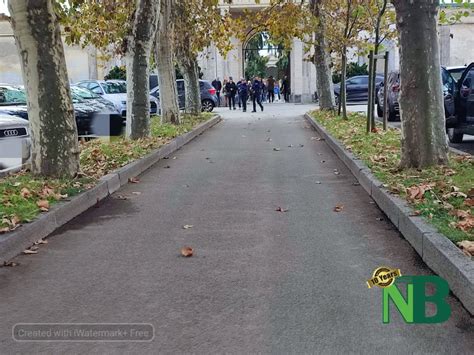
(260, 280)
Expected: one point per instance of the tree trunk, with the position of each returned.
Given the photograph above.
(343, 91)
(139, 45)
(324, 84)
(165, 65)
(421, 98)
(55, 149)
(190, 70)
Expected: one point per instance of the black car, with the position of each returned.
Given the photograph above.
(208, 94)
(459, 103)
(357, 88)
(393, 90)
(93, 117)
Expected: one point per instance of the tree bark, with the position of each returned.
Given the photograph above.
(165, 64)
(190, 70)
(324, 84)
(343, 91)
(55, 149)
(421, 100)
(139, 45)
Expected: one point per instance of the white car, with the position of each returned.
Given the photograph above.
(115, 91)
(14, 141)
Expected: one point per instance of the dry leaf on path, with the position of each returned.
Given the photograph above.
(41, 241)
(338, 208)
(30, 252)
(188, 226)
(276, 149)
(10, 263)
(4, 230)
(280, 209)
(187, 252)
(469, 202)
(134, 180)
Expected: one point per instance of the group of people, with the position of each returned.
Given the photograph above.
(258, 90)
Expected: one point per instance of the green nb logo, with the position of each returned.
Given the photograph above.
(412, 307)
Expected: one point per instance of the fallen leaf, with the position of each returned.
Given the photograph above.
(136, 193)
(415, 213)
(134, 180)
(167, 167)
(301, 145)
(467, 246)
(43, 205)
(337, 173)
(268, 139)
(318, 182)
(455, 194)
(187, 252)
(276, 149)
(379, 219)
(460, 214)
(290, 146)
(338, 208)
(10, 263)
(188, 226)
(34, 248)
(25, 193)
(470, 193)
(41, 241)
(121, 197)
(4, 230)
(16, 184)
(280, 209)
(469, 202)
(30, 252)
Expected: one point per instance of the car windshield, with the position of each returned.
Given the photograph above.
(12, 96)
(114, 87)
(80, 93)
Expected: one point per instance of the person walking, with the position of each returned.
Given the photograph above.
(243, 93)
(271, 89)
(285, 89)
(277, 91)
(224, 85)
(231, 90)
(257, 94)
(218, 86)
(264, 91)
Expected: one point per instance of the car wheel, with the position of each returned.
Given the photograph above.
(379, 111)
(207, 105)
(455, 136)
(392, 115)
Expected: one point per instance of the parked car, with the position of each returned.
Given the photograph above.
(92, 117)
(14, 141)
(393, 90)
(208, 94)
(459, 103)
(116, 92)
(357, 88)
(456, 71)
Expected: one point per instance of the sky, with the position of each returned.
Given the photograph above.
(3, 7)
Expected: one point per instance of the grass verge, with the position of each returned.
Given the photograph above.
(443, 195)
(24, 195)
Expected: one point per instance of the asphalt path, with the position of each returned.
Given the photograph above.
(260, 281)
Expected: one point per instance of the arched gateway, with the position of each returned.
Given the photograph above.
(302, 73)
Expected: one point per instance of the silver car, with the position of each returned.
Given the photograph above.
(14, 142)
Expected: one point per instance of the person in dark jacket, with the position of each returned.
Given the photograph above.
(285, 89)
(231, 90)
(257, 94)
(271, 89)
(243, 93)
(218, 86)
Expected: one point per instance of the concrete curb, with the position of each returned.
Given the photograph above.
(12, 244)
(437, 251)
